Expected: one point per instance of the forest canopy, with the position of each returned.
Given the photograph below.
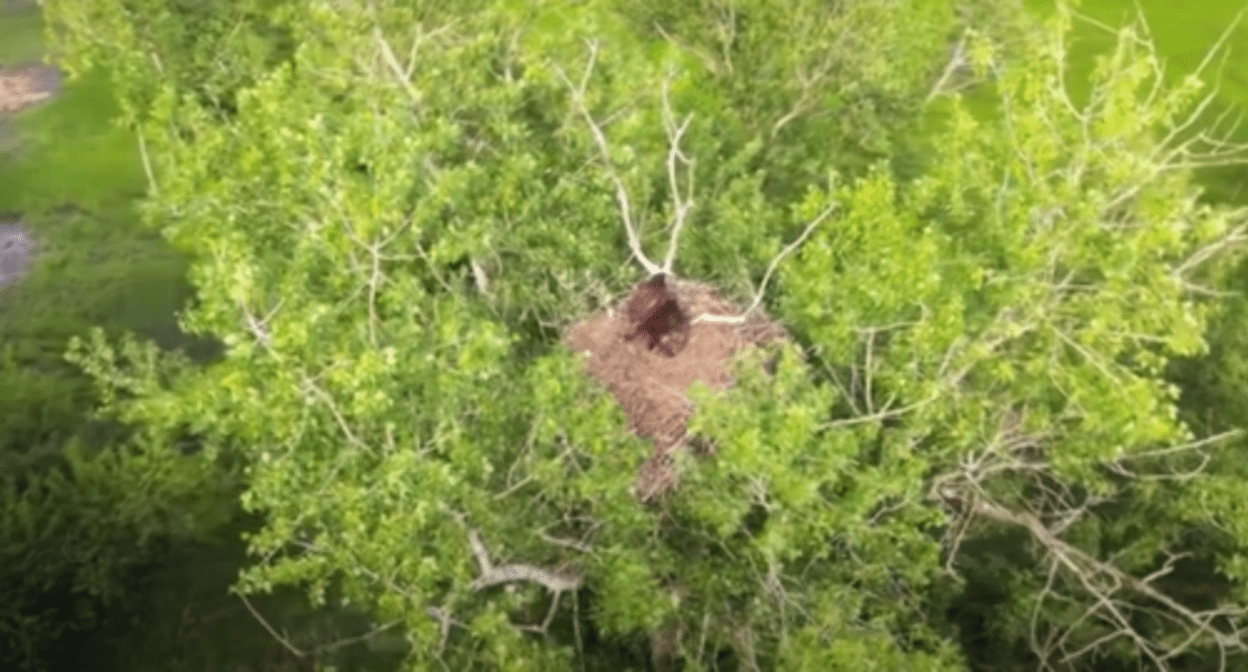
(967, 450)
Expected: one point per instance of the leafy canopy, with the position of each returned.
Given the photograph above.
(392, 225)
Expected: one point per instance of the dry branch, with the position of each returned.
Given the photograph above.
(1107, 591)
(556, 581)
(621, 192)
(284, 640)
(762, 287)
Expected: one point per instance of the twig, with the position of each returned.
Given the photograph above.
(259, 328)
(621, 192)
(682, 205)
(299, 653)
(147, 164)
(324, 648)
(762, 287)
(955, 63)
(491, 575)
(404, 78)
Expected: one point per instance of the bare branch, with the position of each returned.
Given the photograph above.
(259, 328)
(309, 386)
(348, 641)
(147, 164)
(324, 648)
(621, 192)
(878, 416)
(300, 653)
(1119, 466)
(567, 543)
(681, 204)
(956, 63)
(376, 277)
(404, 77)
(1233, 239)
(762, 287)
(1101, 582)
(491, 575)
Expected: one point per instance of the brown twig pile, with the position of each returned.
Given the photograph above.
(649, 376)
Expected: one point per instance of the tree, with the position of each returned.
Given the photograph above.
(73, 533)
(394, 226)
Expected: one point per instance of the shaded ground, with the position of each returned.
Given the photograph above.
(649, 376)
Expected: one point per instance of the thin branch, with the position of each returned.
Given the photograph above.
(299, 653)
(376, 277)
(621, 192)
(310, 386)
(403, 77)
(879, 416)
(324, 648)
(348, 641)
(1231, 240)
(955, 63)
(1101, 580)
(682, 204)
(762, 287)
(259, 328)
(147, 164)
(491, 575)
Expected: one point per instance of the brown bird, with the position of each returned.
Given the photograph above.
(653, 310)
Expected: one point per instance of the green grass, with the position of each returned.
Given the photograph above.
(75, 182)
(20, 36)
(74, 185)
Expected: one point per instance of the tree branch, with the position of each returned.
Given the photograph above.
(621, 192)
(762, 287)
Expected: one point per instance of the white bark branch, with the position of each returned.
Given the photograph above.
(600, 139)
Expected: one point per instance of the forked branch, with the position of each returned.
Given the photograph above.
(1112, 597)
(771, 268)
(682, 199)
(556, 581)
(600, 139)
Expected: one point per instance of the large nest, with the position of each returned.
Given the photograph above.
(650, 348)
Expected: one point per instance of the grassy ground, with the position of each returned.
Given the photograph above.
(74, 183)
(19, 35)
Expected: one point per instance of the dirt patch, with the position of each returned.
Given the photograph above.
(22, 87)
(650, 348)
(27, 85)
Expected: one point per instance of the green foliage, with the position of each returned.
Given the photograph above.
(392, 223)
(71, 535)
(207, 50)
(1012, 310)
(82, 510)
